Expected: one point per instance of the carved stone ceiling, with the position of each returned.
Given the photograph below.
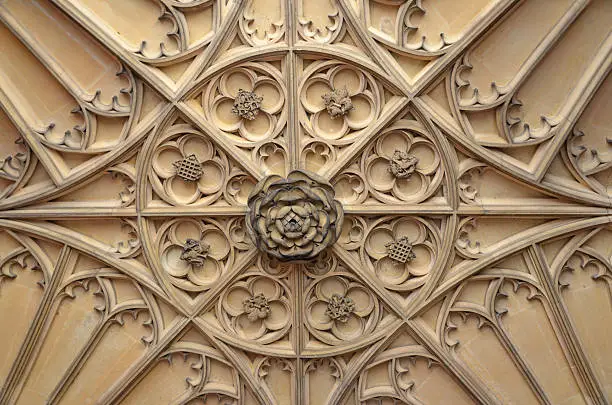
(306, 202)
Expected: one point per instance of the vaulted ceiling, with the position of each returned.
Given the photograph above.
(451, 240)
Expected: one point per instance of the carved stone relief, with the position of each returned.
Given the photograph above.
(310, 202)
(294, 218)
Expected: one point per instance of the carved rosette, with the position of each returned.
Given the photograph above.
(294, 218)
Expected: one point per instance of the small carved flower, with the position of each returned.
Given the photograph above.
(247, 101)
(402, 252)
(337, 102)
(193, 253)
(247, 104)
(340, 307)
(188, 169)
(402, 164)
(256, 308)
(294, 218)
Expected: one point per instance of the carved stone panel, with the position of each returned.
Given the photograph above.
(309, 202)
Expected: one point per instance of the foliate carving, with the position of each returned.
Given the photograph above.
(402, 164)
(193, 253)
(339, 309)
(247, 104)
(256, 308)
(233, 102)
(294, 218)
(402, 251)
(337, 102)
(364, 93)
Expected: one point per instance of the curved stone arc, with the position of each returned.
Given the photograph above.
(535, 235)
(450, 181)
(135, 137)
(497, 162)
(279, 50)
(89, 247)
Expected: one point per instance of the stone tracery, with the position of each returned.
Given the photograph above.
(369, 303)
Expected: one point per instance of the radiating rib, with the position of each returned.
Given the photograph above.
(475, 32)
(418, 328)
(370, 45)
(582, 369)
(31, 138)
(86, 20)
(373, 282)
(576, 102)
(83, 243)
(534, 235)
(16, 379)
(399, 209)
(212, 51)
(68, 211)
(531, 61)
(128, 381)
(214, 292)
(207, 211)
(538, 209)
(497, 161)
(31, 20)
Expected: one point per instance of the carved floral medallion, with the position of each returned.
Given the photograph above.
(294, 218)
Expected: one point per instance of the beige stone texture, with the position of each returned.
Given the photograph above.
(305, 202)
